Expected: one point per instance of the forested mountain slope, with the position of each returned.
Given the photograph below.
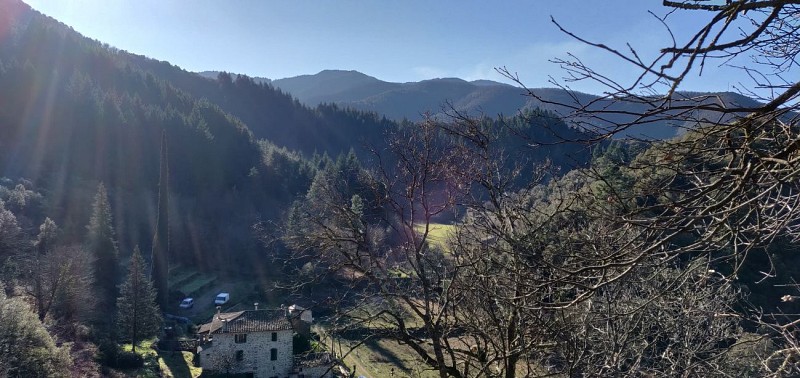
(75, 113)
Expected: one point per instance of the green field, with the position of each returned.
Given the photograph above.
(378, 358)
(196, 285)
(438, 234)
(180, 276)
(189, 281)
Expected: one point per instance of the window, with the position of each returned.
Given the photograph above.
(274, 336)
(240, 338)
(239, 355)
(273, 354)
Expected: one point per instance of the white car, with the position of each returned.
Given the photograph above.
(187, 303)
(222, 298)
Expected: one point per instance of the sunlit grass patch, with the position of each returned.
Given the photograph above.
(178, 365)
(379, 357)
(166, 364)
(146, 350)
(438, 234)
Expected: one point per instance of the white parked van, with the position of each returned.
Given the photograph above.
(222, 298)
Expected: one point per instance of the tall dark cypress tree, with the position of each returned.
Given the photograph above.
(160, 256)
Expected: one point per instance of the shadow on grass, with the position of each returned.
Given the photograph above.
(381, 350)
(388, 356)
(177, 364)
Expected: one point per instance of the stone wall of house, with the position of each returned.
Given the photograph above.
(220, 354)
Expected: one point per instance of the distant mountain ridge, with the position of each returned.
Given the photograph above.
(355, 90)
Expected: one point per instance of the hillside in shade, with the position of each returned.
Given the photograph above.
(412, 100)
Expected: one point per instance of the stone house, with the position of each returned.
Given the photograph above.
(259, 344)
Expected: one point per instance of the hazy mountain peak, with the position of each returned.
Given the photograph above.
(454, 80)
(343, 74)
(313, 89)
(487, 83)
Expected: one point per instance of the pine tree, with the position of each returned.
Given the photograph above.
(103, 248)
(138, 316)
(10, 232)
(160, 254)
(48, 231)
(45, 279)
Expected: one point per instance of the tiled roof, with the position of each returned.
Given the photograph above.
(247, 321)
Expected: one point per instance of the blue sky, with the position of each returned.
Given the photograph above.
(396, 40)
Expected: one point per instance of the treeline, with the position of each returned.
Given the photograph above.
(59, 297)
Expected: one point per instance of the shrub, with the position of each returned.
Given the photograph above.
(129, 360)
(26, 349)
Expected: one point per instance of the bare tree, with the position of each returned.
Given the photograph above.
(603, 271)
(727, 188)
(74, 301)
(60, 281)
(399, 284)
(765, 32)
(539, 280)
(59, 277)
(553, 282)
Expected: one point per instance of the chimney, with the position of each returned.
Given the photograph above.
(219, 309)
(256, 305)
